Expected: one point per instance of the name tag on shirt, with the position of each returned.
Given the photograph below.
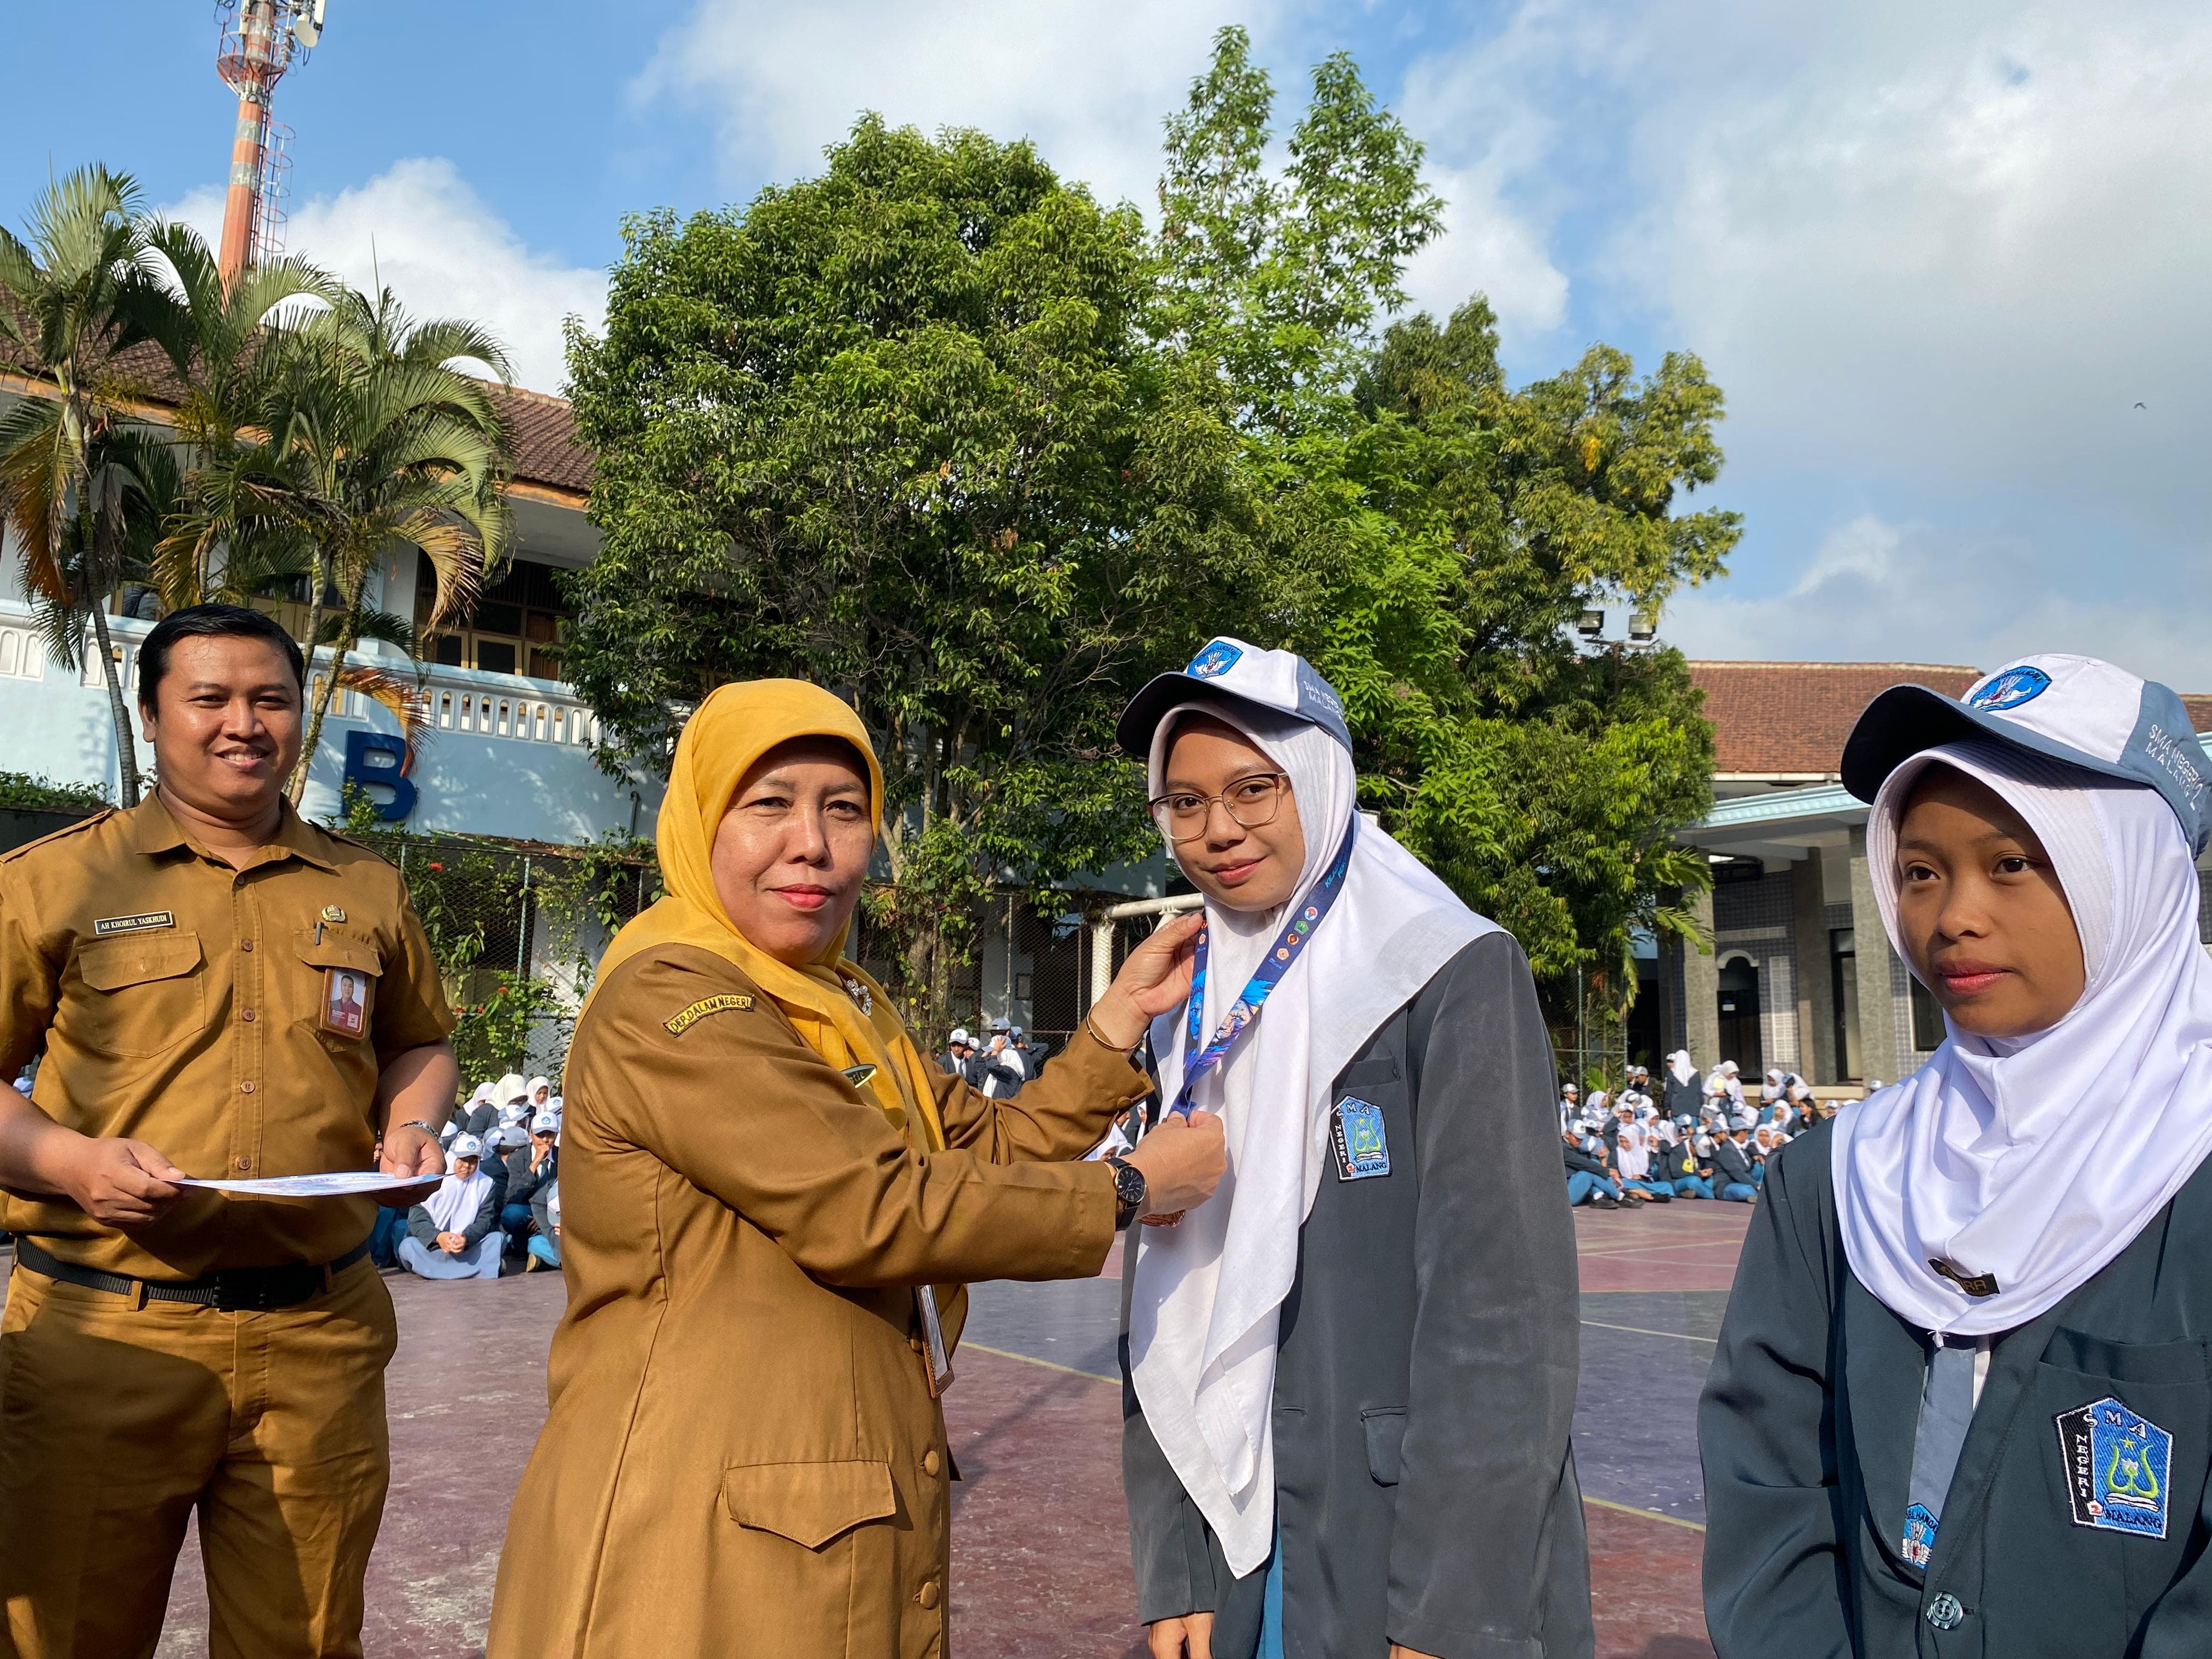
(1356, 1132)
(145, 922)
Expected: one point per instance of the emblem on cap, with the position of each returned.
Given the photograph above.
(331, 913)
(1215, 660)
(2010, 689)
(2116, 1465)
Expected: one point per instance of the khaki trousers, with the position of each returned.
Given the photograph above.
(117, 1421)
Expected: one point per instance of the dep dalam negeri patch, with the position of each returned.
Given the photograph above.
(684, 1019)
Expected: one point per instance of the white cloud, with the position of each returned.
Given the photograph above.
(1913, 592)
(423, 232)
(1089, 82)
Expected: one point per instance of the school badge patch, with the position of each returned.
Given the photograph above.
(1355, 1131)
(1215, 660)
(1919, 1541)
(2117, 1466)
(684, 1019)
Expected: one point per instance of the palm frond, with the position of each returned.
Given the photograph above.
(402, 696)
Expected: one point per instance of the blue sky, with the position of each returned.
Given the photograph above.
(1934, 255)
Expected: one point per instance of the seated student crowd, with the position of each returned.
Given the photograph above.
(502, 1148)
(1628, 1151)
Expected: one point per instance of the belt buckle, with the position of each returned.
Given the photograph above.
(252, 1290)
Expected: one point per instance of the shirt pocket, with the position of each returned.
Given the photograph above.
(338, 980)
(2095, 1581)
(809, 1503)
(148, 993)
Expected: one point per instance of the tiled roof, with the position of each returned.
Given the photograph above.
(1791, 718)
(545, 450)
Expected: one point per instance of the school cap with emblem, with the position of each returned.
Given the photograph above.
(2076, 709)
(466, 1147)
(545, 1123)
(1282, 682)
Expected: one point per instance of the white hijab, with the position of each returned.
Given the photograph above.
(455, 1204)
(1207, 1293)
(2036, 1160)
(1679, 1066)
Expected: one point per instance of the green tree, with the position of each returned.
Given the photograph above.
(896, 430)
(1429, 534)
(73, 298)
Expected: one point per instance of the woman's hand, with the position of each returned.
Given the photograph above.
(1182, 1160)
(1155, 978)
(1190, 1637)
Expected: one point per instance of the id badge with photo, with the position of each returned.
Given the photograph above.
(935, 1362)
(345, 1002)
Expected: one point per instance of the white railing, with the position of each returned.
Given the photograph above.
(524, 716)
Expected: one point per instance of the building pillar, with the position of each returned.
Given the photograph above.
(1870, 943)
(1816, 996)
(1701, 989)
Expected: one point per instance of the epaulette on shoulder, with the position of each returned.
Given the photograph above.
(62, 834)
(345, 840)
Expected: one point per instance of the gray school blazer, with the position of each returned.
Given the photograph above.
(1424, 1382)
(1807, 1429)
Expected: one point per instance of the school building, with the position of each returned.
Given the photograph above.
(1802, 976)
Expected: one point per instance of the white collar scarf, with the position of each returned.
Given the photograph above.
(1207, 1292)
(2037, 1160)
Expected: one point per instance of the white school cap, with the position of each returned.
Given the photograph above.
(1281, 682)
(2082, 710)
(545, 1123)
(467, 1146)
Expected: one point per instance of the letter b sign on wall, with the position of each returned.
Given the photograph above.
(374, 761)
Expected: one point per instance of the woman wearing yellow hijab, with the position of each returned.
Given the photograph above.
(761, 1183)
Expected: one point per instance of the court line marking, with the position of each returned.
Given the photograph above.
(1031, 1359)
(1638, 1330)
(1649, 1514)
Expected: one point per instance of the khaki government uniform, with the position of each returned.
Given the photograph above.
(742, 1455)
(181, 1003)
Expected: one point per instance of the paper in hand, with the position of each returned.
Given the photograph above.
(344, 1183)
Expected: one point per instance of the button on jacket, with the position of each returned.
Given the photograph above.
(204, 1011)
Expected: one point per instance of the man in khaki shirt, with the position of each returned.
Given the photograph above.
(221, 991)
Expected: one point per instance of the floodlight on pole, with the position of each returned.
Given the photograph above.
(258, 40)
(1642, 628)
(1590, 624)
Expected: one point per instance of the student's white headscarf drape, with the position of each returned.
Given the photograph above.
(1206, 1292)
(2036, 1160)
(455, 1204)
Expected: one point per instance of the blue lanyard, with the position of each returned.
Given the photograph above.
(1305, 920)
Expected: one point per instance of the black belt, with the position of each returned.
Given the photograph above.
(233, 1290)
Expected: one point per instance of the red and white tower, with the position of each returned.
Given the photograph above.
(259, 39)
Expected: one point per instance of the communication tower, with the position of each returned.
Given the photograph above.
(259, 42)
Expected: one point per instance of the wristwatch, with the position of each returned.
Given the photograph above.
(1129, 1191)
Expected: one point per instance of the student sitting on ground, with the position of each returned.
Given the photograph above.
(453, 1233)
(528, 1169)
(1588, 1181)
(1733, 1177)
(1677, 1162)
(1631, 1157)
(544, 1245)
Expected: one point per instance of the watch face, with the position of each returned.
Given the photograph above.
(1128, 1185)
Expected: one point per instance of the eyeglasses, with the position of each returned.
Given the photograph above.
(1251, 802)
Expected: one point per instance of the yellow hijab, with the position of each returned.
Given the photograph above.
(841, 1013)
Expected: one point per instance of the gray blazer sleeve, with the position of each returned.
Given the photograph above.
(1774, 1558)
(1497, 1336)
(1170, 1548)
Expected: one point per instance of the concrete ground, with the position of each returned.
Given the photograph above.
(1041, 1566)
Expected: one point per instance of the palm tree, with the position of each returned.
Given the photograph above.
(365, 436)
(227, 347)
(73, 299)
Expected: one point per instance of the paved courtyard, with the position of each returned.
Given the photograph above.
(1041, 1566)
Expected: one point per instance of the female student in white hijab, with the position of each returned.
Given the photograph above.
(1962, 1394)
(453, 1233)
(1351, 1374)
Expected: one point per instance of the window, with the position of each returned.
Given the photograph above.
(1928, 1028)
(1844, 980)
(514, 627)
